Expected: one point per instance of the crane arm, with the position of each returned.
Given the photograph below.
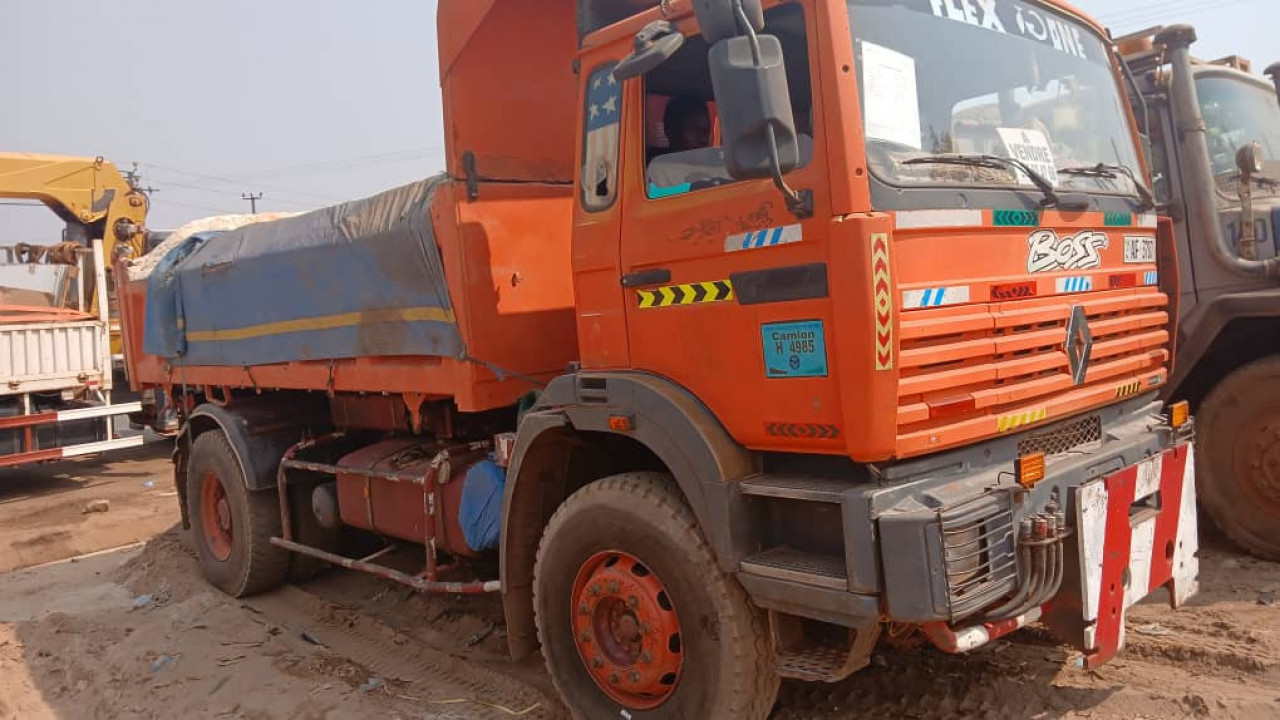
(88, 193)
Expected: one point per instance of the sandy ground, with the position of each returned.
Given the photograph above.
(42, 516)
(135, 632)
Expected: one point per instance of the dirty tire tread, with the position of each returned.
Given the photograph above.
(1224, 509)
(264, 566)
(750, 688)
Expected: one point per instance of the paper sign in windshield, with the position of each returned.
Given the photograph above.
(889, 92)
(1032, 148)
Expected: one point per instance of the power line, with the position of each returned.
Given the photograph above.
(241, 182)
(193, 206)
(228, 192)
(1146, 15)
(336, 165)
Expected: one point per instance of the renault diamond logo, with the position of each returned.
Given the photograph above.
(1079, 344)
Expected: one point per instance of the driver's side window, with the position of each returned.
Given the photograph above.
(682, 139)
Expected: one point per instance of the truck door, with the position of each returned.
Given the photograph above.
(602, 327)
(712, 267)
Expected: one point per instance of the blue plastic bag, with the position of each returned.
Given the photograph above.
(480, 512)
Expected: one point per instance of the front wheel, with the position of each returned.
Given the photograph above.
(635, 617)
(1238, 468)
(231, 525)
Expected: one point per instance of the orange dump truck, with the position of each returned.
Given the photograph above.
(734, 333)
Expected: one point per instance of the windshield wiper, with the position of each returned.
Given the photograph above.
(1065, 201)
(1112, 171)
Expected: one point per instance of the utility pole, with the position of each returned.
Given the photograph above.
(253, 201)
(134, 178)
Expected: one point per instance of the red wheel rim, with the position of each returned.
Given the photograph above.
(215, 516)
(626, 630)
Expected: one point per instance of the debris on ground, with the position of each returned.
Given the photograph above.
(96, 506)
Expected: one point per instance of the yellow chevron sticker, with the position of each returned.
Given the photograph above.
(1128, 389)
(686, 294)
(1010, 422)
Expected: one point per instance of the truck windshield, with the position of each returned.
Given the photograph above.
(1237, 112)
(988, 77)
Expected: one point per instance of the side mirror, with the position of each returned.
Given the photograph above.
(718, 19)
(654, 45)
(1249, 159)
(1273, 72)
(753, 102)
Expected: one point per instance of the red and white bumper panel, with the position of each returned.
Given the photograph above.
(1137, 532)
(29, 422)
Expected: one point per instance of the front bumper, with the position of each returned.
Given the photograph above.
(1134, 531)
(958, 560)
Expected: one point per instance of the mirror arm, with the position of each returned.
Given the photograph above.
(799, 203)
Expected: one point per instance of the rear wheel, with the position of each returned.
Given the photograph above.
(635, 617)
(231, 526)
(1238, 466)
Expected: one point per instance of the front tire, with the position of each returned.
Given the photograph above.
(231, 526)
(635, 617)
(1238, 467)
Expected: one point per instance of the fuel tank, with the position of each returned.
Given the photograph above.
(420, 506)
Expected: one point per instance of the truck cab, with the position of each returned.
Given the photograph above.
(1221, 185)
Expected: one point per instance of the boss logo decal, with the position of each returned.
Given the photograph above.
(1048, 251)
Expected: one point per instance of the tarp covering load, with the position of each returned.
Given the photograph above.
(363, 278)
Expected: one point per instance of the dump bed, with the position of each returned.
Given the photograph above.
(413, 291)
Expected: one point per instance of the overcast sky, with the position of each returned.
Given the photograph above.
(308, 102)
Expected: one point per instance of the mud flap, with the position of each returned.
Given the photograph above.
(1136, 531)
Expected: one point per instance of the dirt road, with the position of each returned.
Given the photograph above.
(136, 633)
(42, 514)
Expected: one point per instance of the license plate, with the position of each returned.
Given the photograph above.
(1139, 249)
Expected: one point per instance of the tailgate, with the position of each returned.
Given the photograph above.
(52, 356)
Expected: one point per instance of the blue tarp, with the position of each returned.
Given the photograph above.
(480, 511)
(363, 278)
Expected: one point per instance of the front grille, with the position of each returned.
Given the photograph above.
(1010, 357)
(1064, 438)
(979, 555)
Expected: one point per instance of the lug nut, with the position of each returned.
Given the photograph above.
(584, 637)
(644, 628)
(633, 602)
(593, 591)
(612, 586)
(583, 609)
(597, 662)
(614, 679)
(645, 657)
(634, 676)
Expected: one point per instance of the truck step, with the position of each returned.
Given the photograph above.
(822, 663)
(797, 487)
(784, 563)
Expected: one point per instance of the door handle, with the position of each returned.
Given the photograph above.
(656, 276)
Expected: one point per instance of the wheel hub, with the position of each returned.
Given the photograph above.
(215, 517)
(1262, 476)
(626, 630)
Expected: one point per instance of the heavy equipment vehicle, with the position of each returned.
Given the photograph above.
(734, 333)
(1214, 130)
(56, 338)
